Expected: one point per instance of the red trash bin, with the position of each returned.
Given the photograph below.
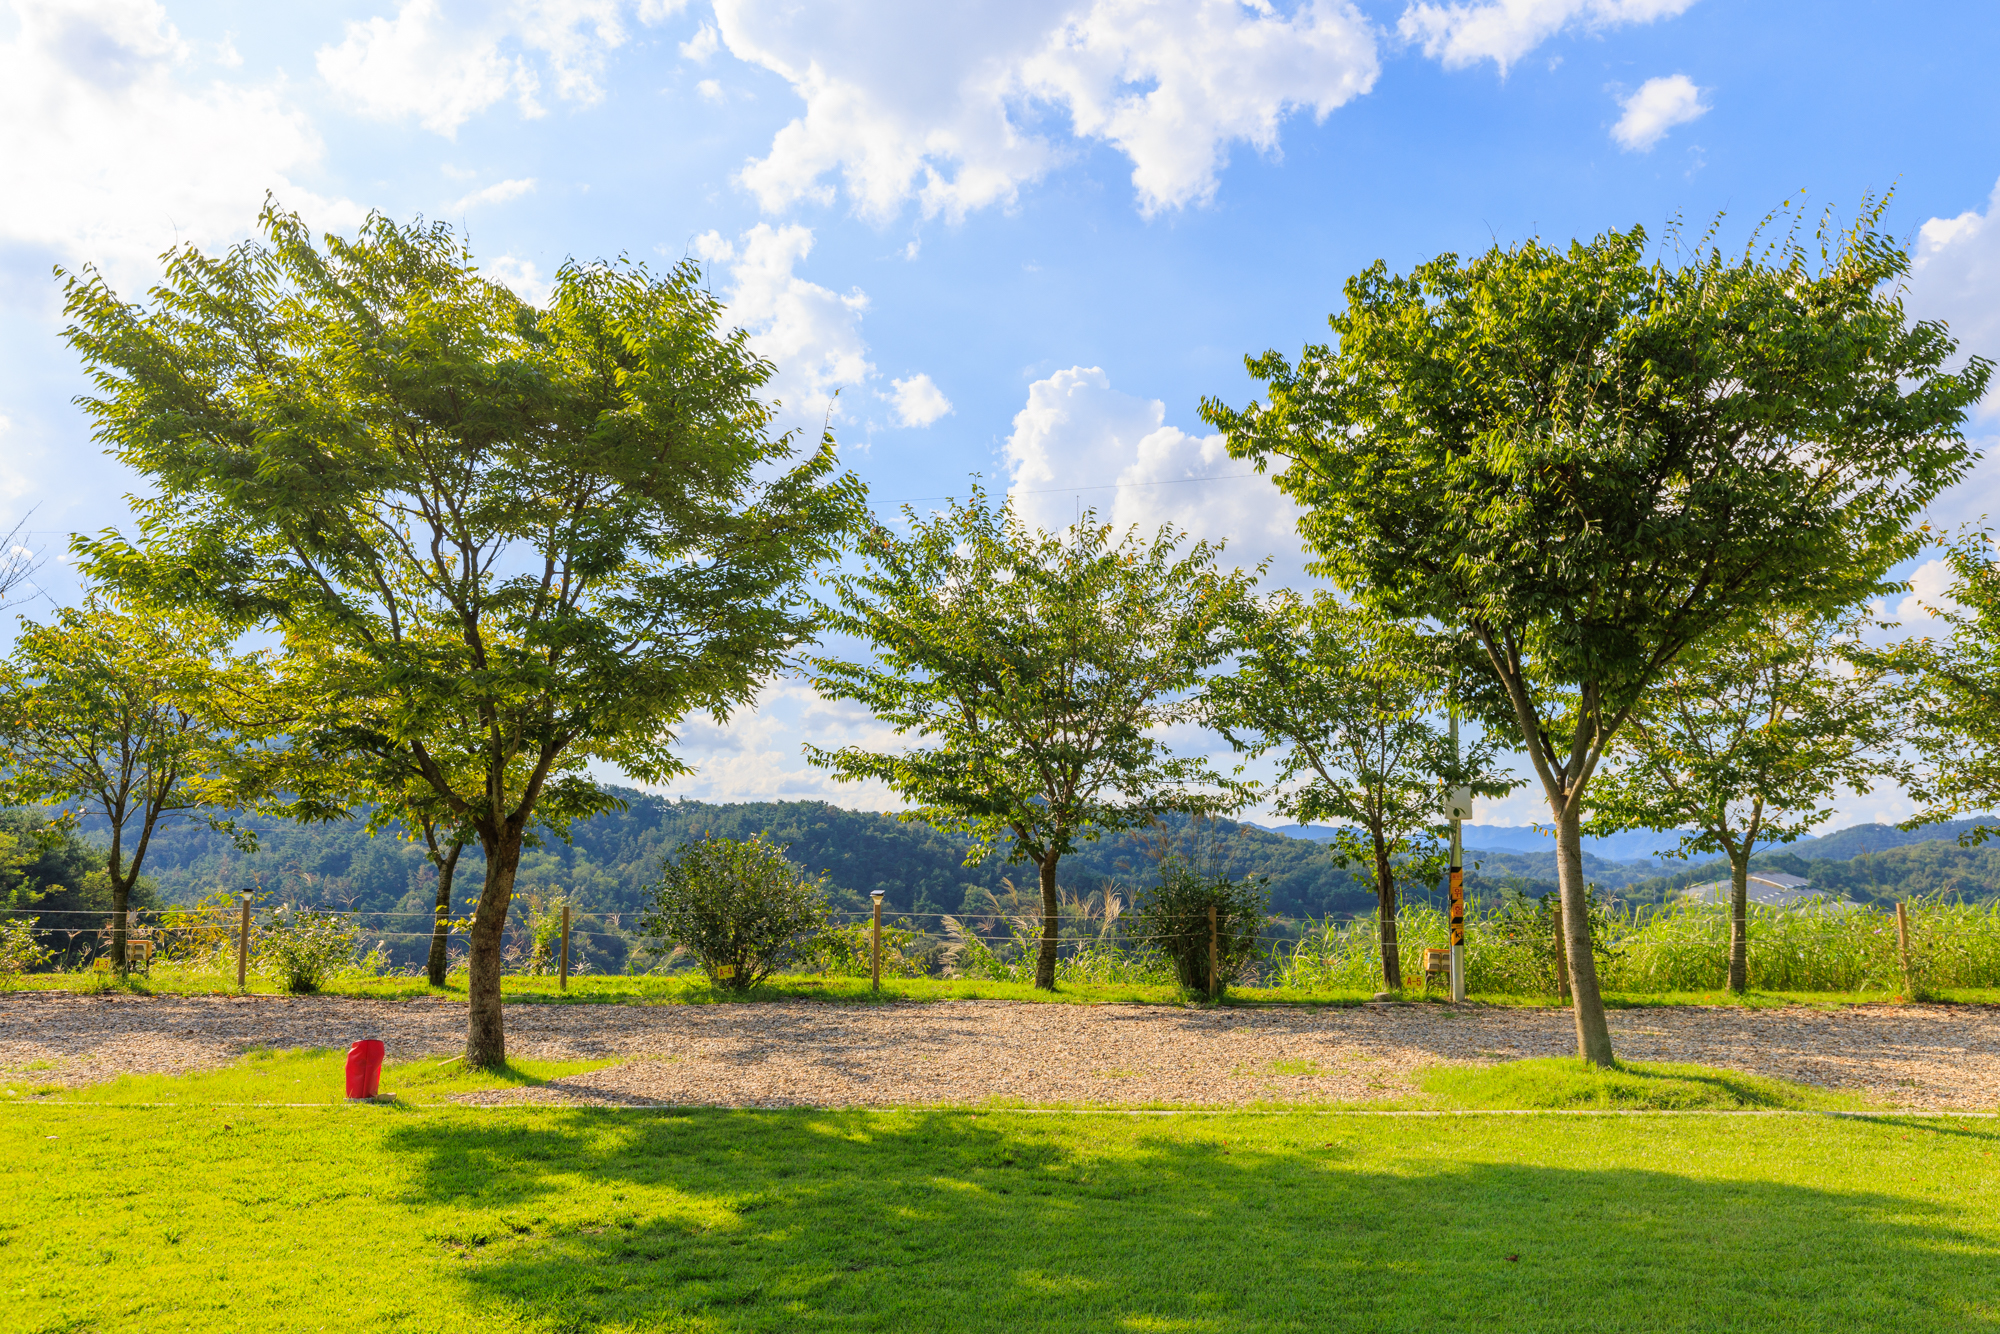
(364, 1070)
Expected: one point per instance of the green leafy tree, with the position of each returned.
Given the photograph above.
(1743, 741)
(500, 543)
(1041, 668)
(111, 713)
(1954, 693)
(1350, 701)
(1587, 461)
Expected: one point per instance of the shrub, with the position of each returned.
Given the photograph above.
(1173, 920)
(204, 933)
(19, 950)
(540, 952)
(740, 907)
(304, 949)
(844, 951)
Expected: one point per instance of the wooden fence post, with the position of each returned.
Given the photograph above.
(562, 976)
(243, 942)
(875, 950)
(1903, 950)
(1214, 957)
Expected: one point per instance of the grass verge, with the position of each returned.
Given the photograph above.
(690, 989)
(1562, 1083)
(283, 1076)
(453, 1219)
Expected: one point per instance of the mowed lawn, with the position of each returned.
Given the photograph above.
(433, 1217)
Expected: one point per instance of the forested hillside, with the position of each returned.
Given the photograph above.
(609, 860)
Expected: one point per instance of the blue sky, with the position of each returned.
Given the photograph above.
(1019, 239)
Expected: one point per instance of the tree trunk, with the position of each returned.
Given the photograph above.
(121, 904)
(1593, 1034)
(121, 889)
(1739, 923)
(440, 923)
(1045, 961)
(1385, 896)
(486, 1038)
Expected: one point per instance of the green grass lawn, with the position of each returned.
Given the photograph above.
(688, 988)
(422, 1216)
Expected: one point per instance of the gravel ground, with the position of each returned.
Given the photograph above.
(1928, 1057)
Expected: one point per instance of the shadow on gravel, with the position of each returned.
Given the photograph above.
(944, 1220)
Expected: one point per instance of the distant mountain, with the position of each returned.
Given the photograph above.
(1637, 845)
(1863, 838)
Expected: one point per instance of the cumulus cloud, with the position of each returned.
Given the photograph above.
(918, 401)
(1955, 277)
(444, 67)
(757, 756)
(1930, 594)
(1503, 31)
(939, 104)
(1080, 440)
(524, 276)
(811, 333)
(498, 193)
(702, 45)
(1658, 106)
(118, 140)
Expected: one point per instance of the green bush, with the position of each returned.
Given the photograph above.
(844, 951)
(19, 950)
(305, 949)
(741, 907)
(1173, 920)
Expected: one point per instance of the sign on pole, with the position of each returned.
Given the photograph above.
(1458, 806)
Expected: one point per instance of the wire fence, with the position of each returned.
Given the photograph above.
(1682, 948)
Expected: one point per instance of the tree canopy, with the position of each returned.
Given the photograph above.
(1954, 692)
(499, 542)
(1350, 702)
(1743, 741)
(114, 714)
(1040, 667)
(1587, 461)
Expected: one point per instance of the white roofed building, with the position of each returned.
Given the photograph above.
(1770, 889)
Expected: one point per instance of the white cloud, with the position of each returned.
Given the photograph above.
(114, 149)
(1076, 431)
(498, 193)
(14, 481)
(1955, 277)
(1503, 31)
(756, 755)
(811, 333)
(918, 401)
(938, 104)
(418, 64)
(1930, 593)
(444, 68)
(710, 90)
(524, 276)
(702, 45)
(1658, 106)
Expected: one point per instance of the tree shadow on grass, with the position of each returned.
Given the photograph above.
(948, 1220)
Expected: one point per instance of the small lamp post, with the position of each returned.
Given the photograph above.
(243, 943)
(875, 949)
